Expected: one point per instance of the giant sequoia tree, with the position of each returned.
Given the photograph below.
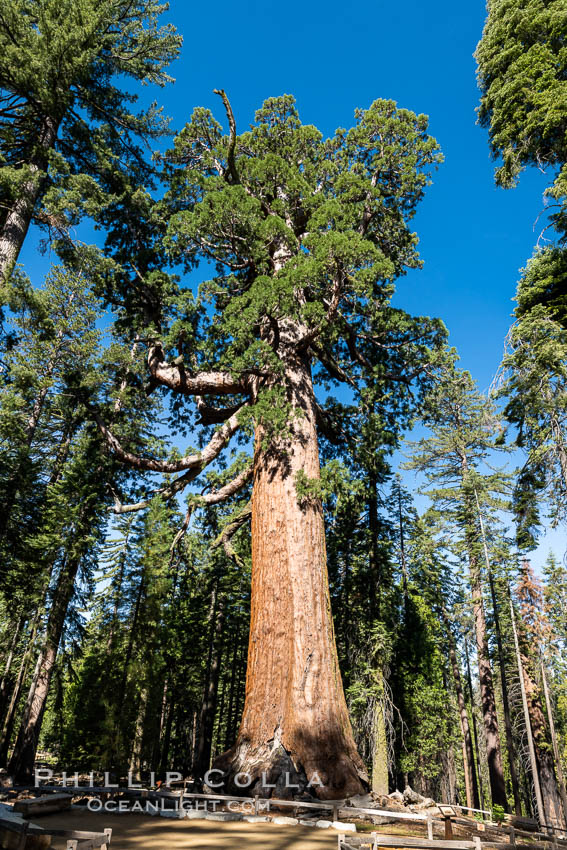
(306, 235)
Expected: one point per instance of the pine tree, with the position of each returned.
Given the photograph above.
(69, 140)
(464, 433)
(534, 635)
(534, 377)
(521, 65)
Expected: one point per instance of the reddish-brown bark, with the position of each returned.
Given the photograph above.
(295, 718)
(488, 700)
(550, 792)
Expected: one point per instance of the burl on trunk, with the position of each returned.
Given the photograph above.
(295, 726)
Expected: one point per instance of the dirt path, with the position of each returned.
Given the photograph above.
(140, 832)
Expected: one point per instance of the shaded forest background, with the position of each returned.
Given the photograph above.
(125, 600)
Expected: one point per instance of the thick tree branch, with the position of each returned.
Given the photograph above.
(171, 490)
(176, 378)
(231, 171)
(198, 460)
(330, 364)
(327, 427)
(214, 415)
(332, 307)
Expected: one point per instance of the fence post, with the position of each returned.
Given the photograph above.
(512, 836)
(430, 827)
(23, 834)
(477, 843)
(108, 833)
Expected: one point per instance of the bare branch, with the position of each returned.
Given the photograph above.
(198, 460)
(232, 172)
(213, 415)
(171, 490)
(332, 367)
(224, 539)
(176, 378)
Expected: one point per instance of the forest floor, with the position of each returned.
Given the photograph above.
(154, 833)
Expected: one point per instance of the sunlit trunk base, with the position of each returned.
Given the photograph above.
(295, 727)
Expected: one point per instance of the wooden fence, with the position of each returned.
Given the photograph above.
(29, 835)
(375, 841)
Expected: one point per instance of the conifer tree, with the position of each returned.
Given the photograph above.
(534, 379)
(308, 236)
(69, 140)
(463, 433)
(521, 72)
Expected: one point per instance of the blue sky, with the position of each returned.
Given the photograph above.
(334, 58)
(474, 237)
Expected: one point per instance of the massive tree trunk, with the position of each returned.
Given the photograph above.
(295, 718)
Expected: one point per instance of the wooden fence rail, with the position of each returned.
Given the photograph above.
(377, 840)
(76, 839)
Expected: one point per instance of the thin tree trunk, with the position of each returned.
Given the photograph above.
(118, 588)
(559, 441)
(23, 756)
(471, 783)
(375, 564)
(503, 678)
(505, 701)
(295, 717)
(17, 221)
(136, 757)
(488, 699)
(17, 690)
(531, 747)
(550, 792)
(231, 713)
(133, 632)
(4, 684)
(474, 726)
(209, 704)
(380, 742)
(556, 753)
(403, 562)
(14, 483)
(489, 714)
(166, 741)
